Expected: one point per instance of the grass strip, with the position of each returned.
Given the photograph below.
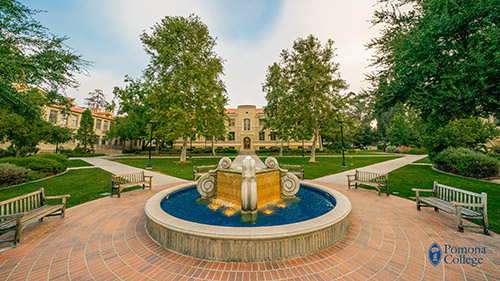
(322, 167)
(83, 185)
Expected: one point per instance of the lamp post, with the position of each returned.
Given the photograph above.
(152, 122)
(341, 122)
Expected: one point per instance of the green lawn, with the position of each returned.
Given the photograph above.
(324, 165)
(424, 160)
(83, 185)
(415, 176)
(73, 163)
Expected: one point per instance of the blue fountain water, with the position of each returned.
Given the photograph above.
(309, 203)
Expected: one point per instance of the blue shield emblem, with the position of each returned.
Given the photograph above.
(435, 254)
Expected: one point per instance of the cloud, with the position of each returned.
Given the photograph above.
(98, 79)
(248, 38)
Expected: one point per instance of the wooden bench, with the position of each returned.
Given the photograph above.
(461, 203)
(379, 181)
(120, 182)
(18, 212)
(297, 170)
(199, 171)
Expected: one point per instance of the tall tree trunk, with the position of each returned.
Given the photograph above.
(184, 149)
(57, 146)
(313, 149)
(213, 147)
(157, 148)
(18, 151)
(131, 145)
(320, 143)
(281, 148)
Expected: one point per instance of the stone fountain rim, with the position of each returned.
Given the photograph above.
(156, 214)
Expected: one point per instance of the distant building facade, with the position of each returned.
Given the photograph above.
(246, 123)
(103, 120)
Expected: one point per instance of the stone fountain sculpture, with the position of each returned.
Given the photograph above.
(248, 182)
(248, 186)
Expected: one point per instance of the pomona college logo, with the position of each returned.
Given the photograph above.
(435, 254)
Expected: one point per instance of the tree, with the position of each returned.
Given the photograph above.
(31, 57)
(22, 134)
(304, 90)
(440, 57)
(399, 132)
(277, 119)
(35, 67)
(472, 133)
(185, 74)
(57, 135)
(96, 99)
(135, 106)
(85, 134)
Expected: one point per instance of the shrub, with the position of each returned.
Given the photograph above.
(63, 159)
(494, 150)
(417, 151)
(37, 163)
(466, 162)
(86, 154)
(469, 133)
(11, 174)
(5, 153)
(393, 149)
(226, 150)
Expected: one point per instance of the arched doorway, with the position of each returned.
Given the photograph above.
(247, 143)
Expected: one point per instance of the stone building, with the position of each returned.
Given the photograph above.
(246, 125)
(103, 120)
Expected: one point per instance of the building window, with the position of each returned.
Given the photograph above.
(98, 124)
(262, 136)
(53, 116)
(63, 120)
(74, 120)
(261, 122)
(105, 126)
(273, 136)
(97, 140)
(103, 142)
(246, 125)
(231, 122)
(231, 136)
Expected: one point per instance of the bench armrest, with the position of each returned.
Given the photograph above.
(349, 176)
(422, 190)
(58, 196)
(467, 204)
(13, 216)
(148, 176)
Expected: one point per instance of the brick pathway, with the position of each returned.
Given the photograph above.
(106, 239)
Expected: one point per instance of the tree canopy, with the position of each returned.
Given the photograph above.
(302, 91)
(136, 109)
(32, 57)
(440, 57)
(85, 133)
(35, 68)
(185, 77)
(96, 99)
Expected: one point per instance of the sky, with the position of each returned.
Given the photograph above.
(250, 35)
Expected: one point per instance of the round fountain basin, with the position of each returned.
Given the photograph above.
(187, 204)
(248, 243)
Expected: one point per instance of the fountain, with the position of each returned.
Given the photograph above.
(247, 210)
